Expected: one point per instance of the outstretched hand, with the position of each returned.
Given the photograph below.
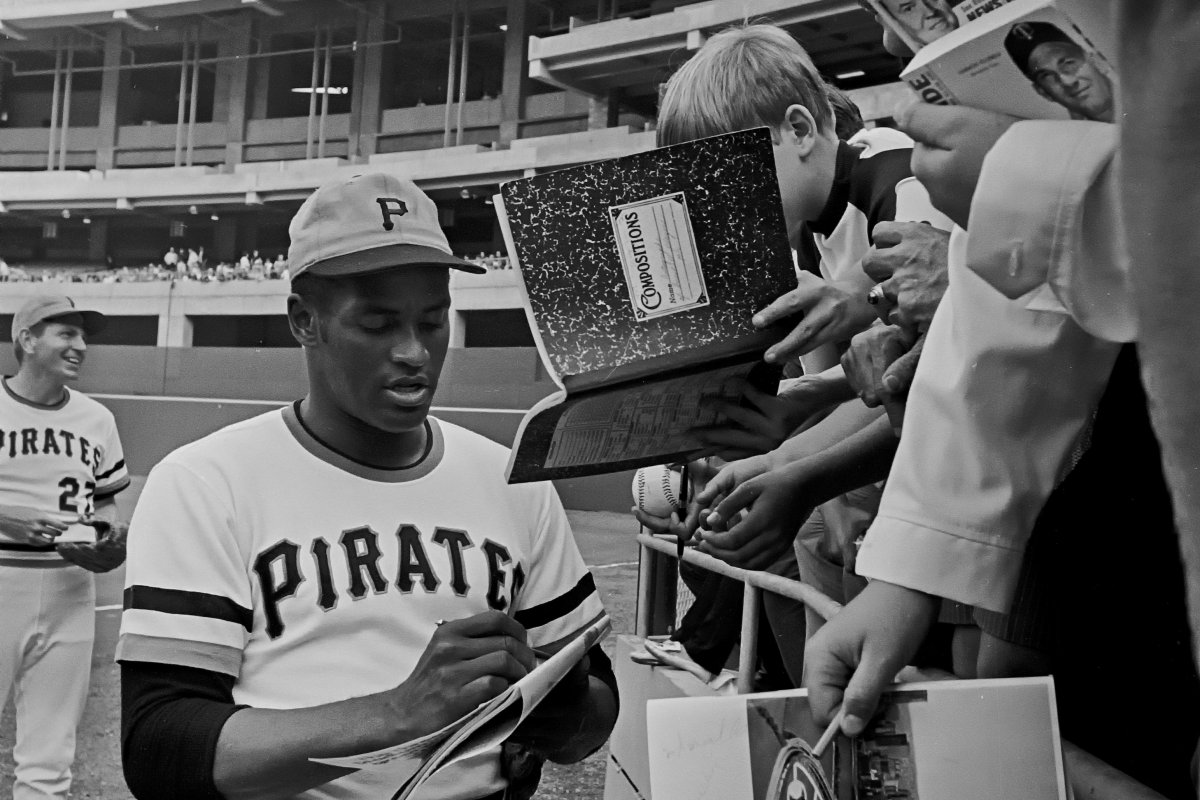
(910, 262)
(828, 312)
(880, 365)
(856, 655)
(760, 424)
(952, 142)
(775, 507)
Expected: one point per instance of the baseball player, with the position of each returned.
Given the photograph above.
(348, 573)
(60, 467)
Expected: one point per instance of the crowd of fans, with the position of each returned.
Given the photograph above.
(968, 459)
(187, 265)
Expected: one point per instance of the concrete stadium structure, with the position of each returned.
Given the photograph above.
(128, 127)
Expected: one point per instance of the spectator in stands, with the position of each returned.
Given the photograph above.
(171, 258)
(5, 272)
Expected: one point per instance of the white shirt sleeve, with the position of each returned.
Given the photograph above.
(1002, 395)
(111, 473)
(1065, 232)
(559, 598)
(188, 600)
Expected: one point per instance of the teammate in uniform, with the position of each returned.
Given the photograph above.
(60, 467)
(348, 573)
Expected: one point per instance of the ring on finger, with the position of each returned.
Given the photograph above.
(876, 295)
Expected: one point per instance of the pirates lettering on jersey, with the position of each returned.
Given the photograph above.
(50, 441)
(364, 555)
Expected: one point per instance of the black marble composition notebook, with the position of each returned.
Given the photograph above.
(641, 275)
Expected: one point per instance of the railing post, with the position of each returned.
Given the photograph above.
(748, 650)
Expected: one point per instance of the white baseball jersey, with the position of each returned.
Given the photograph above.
(262, 554)
(57, 458)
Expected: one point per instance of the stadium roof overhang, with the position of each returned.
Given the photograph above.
(20, 16)
(636, 55)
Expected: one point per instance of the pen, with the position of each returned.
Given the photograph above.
(828, 735)
(684, 485)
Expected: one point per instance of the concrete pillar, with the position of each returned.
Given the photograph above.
(514, 84)
(98, 239)
(261, 83)
(232, 95)
(604, 112)
(366, 88)
(458, 329)
(111, 82)
(174, 326)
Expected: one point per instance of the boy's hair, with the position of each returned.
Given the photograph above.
(743, 77)
(847, 119)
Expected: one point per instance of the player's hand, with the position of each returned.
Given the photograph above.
(105, 554)
(556, 718)
(32, 526)
(909, 262)
(827, 312)
(952, 142)
(756, 426)
(856, 655)
(775, 506)
(467, 662)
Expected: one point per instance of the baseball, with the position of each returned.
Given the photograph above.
(656, 490)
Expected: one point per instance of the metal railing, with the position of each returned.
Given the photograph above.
(1088, 776)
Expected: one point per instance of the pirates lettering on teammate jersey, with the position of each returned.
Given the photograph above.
(50, 441)
(374, 564)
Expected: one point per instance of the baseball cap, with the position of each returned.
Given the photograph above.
(48, 306)
(1025, 37)
(365, 224)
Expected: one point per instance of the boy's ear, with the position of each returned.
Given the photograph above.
(303, 320)
(801, 128)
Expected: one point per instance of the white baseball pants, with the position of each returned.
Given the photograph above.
(47, 625)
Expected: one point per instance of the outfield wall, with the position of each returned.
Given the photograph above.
(166, 397)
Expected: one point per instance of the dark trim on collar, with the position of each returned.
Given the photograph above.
(434, 449)
(839, 192)
(43, 407)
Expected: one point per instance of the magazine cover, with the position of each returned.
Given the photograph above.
(920, 22)
(1035, 59)
(945, 740)
(410, 764)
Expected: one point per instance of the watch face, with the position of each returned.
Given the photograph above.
(798, 775)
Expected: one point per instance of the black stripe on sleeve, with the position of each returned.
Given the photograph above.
(560, 606)
(194, 604)
(119, 465)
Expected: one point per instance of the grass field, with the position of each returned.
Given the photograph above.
(608, 546)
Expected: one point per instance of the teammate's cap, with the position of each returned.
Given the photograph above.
(49, 306)
(365, 224)
(1025, 37)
